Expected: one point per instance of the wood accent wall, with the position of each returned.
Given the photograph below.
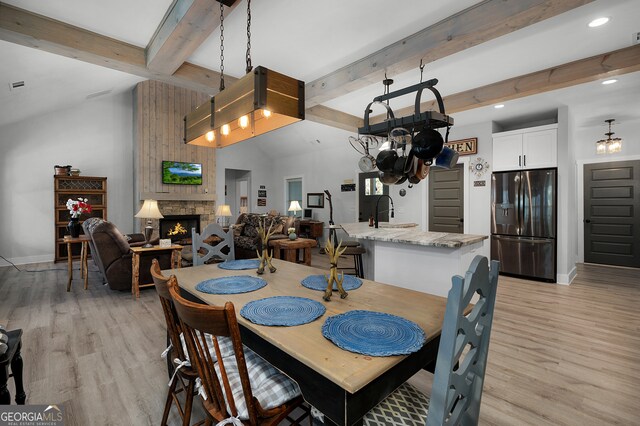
(158, 128)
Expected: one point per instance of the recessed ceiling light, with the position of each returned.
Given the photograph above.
(613, 80)
(498, 106)
(598, 21)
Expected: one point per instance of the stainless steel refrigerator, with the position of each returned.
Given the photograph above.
(523, 222)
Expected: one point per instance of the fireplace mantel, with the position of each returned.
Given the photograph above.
(168, 196)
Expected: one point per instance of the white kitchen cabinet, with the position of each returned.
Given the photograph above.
(532, 148)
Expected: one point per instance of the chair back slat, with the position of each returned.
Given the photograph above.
(198, 242)
(196, 320)
(170, 314)
(457, 383)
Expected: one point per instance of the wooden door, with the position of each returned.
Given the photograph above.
(612, 213)
(446, 200)
(369, 191)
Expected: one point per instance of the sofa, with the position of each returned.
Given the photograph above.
(246, 239)
(111, 252)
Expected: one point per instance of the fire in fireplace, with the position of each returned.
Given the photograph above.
(178, 227)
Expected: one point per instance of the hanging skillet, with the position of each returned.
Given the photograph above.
(427, 144)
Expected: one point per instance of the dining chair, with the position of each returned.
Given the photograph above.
(237, 387)
(462, 359)
(199, 241)
(185, 376)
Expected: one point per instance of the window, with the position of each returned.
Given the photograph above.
(294, 193)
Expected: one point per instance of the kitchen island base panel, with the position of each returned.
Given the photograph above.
(421, 268)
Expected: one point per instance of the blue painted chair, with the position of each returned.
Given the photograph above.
(461, 363)
(218, 250)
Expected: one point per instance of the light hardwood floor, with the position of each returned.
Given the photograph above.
(559, 355)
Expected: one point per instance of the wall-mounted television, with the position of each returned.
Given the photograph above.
(178, 173)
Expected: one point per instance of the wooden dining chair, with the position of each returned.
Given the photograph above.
(238, 386)
(223, 250)
(186, 375)
(461, 362)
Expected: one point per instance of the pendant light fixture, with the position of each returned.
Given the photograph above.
(609, 145)
(261, 101)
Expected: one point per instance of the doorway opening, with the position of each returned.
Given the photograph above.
(237, 194)
(293, 189)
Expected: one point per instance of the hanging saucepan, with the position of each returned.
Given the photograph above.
(367, 163)
(389, 178)
(386, 159)
(427, 144)
(447, 158)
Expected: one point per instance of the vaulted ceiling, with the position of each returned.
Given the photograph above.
(533, 55)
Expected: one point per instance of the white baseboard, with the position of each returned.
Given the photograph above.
(566, 279)
(28, 259)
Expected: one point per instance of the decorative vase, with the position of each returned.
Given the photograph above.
(293, 236)
(74, 227)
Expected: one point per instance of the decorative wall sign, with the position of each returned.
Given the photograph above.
(348, 187)
(464, 146)
(263, 187)
(479, 183)
(262, 202)
(262, 193)
(478, 167)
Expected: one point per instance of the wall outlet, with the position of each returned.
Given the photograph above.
(636, 38)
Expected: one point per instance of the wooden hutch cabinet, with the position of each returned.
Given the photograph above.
(94, 189)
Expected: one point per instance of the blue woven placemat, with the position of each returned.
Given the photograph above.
(319, 282)
(231, 285)
(373, 333)
(239, 264)
(283, 311)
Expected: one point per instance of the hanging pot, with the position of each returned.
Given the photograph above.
(389, 178)
(447, 158)
(399, 165)
(386, 160)
(367, 163)
(427, 144)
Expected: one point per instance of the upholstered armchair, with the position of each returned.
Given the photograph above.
(111, 252)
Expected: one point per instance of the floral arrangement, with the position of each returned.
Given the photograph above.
(291, 230)
(77, 207)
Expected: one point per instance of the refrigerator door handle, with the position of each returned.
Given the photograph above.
(524, 239)
(519, 160)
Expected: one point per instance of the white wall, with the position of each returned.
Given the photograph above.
(94, 136)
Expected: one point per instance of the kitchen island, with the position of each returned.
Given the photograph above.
(405, 256)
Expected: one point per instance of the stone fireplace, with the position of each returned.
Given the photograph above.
(203, 210)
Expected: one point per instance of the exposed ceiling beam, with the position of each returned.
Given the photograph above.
(32, 30)
(482, 22)
(331, 117)
(187, 24)
(594, 68)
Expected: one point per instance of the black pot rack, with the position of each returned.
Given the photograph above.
(414, 123)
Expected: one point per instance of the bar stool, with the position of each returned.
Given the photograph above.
(356, 252)
(12, 357)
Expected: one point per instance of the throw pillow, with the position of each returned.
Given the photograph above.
(237, 229)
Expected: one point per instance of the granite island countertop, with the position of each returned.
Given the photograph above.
(410, 235)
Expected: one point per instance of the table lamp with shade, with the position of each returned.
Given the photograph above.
(294, 207)
(223, 212)
(149, 210)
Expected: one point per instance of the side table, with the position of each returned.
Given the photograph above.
(84, 240)
(291, 247)
(12, 357)
(176, 262)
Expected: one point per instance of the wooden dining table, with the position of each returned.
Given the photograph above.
(343, 385)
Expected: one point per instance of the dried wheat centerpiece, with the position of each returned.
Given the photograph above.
(334, 254)
(265, 259)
